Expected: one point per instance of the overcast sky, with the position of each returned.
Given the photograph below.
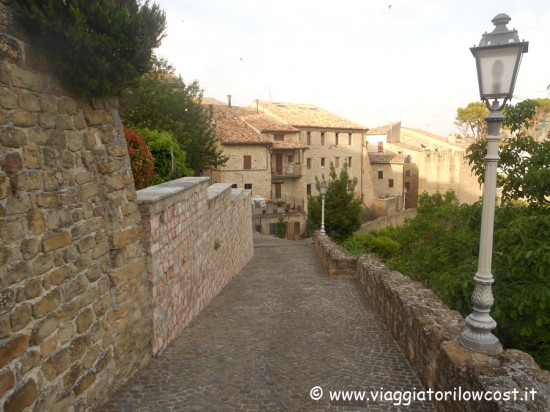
(360, 59)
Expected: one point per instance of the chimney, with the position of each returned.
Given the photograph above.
(229, 100)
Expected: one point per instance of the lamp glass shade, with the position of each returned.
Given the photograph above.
(323, 187)
(497, 69)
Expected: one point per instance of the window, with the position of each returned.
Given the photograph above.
(278, 190)
(336, 162)
(247, 160)
(290, 158)
(407, 186)
(336, 138)
(322, 162)
(349, 161)
(308, 188)
(390, 183)
(380, 147)
(380, 174)
(308, 162)
(322, 138)
(279, 137)
(308, 138)
(248, 186)
(349, 139)
(407, 173)
(234, 185)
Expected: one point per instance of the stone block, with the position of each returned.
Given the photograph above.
(49, 346)
(12, 163)
(84, 320)
(3, 255)
(36, 222)
(28, 181)
(30, 248)
(65, 332)
(38, 137)
(64, 122)
(43, 329)
(17, 274)
(22, 398)
(12, 231)
(84, 383)
(56, 364)
(46, 120)
(49, 103)
(7, 381)
(48, 200)
(76, 287)
(42, 264)
(28, 101)
(47, 304)
(58, 140)
(26, 79)
(3, 119)
(5, 187)
(11, 349)
(33, 158)
(23, 118)
(7, 300)
(98, 118)
(5, 328)
(29, 360)
(14, 138)
(90, 190)
(8, 99)
(20, 317)
(126, 237)
(57, 276)
(56, 240)
(18, 204)
(32, 288)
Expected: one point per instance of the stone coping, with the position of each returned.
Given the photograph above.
(156, 193)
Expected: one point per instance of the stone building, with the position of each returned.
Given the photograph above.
(277, 149)
(430, 163)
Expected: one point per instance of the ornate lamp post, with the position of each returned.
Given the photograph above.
(323, 187)
(498, 56)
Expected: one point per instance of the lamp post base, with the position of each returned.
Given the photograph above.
(480, 341)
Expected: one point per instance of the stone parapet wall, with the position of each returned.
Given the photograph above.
(196, 239)
(333, 257)
(427, 332)
(392, 220)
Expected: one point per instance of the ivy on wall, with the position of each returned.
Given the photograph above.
(96, 48)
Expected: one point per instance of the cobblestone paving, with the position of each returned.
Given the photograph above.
(280, 328)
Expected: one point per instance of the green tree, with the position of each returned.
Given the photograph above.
(471, 119)
(170, 161)
(524, 166)
(342, 206)
(96, 47)
(162, 101)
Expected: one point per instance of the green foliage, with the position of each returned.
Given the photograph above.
(170, 160)
(471, 119)
(142, 162)
(524, 166)
(96, 47)
(342, 207)
(280, 227)
(440, 248)
(161, 101)
(379, 244)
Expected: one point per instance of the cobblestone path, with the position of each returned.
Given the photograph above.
(278, 329)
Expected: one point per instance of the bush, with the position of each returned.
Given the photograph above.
(379, 244)
(170, 160)
(96, 47)
(143, 167)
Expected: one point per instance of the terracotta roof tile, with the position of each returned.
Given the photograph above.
(384, 158)
(263, 122)
(307, 115)
(289, 145)
(230, 129)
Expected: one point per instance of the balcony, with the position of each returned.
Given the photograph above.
(288, 171)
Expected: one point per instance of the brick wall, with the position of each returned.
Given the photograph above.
(427, 332)
(196, 238)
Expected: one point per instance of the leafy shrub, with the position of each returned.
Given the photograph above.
(143, 167)
(96, 47)
(170, 160)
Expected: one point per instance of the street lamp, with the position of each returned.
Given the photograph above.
(323, 187)
(498, 56)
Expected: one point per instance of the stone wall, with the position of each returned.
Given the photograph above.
(427, 332)
(196, 238)
(392, 220)
(74, 317)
